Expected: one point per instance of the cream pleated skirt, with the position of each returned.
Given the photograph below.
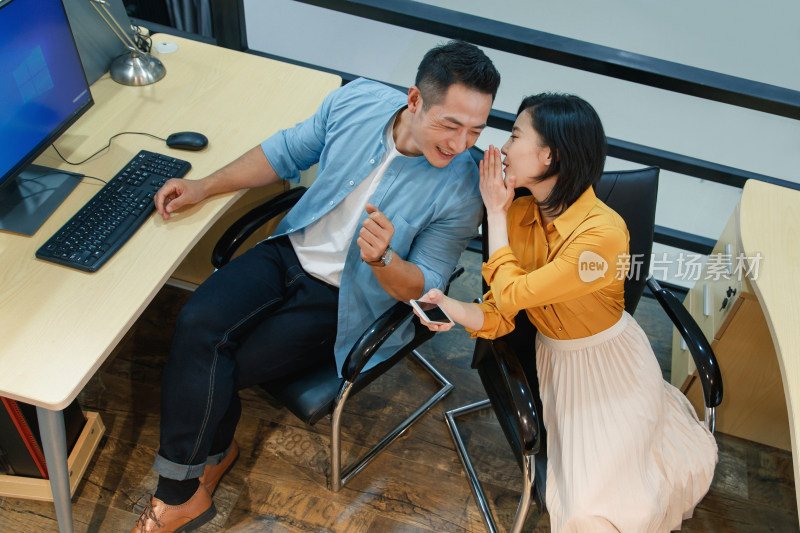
(626, 451)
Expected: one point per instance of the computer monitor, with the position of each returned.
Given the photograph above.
(43, 90)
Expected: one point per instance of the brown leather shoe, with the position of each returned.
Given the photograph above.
(158, 517)
(212, 474)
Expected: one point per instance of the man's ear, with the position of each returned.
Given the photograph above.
(414, 99)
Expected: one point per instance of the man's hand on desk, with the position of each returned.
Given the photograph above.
(177, 193)
(251, 169)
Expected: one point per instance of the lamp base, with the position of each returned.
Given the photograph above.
(136, 68)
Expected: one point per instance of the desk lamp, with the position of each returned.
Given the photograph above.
(136, 67)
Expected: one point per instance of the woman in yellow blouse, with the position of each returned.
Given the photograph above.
(626, 451)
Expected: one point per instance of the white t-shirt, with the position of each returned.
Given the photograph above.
(322, 246)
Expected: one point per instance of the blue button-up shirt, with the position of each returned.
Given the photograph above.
(435, 212)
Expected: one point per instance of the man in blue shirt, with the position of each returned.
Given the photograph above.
(394, 203)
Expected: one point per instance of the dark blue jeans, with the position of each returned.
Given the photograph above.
(258, 318)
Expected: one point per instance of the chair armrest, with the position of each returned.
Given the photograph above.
(372, 339)
(457, 271)
(519, 394)
(248, 223)
(703, 355)
(380, 330)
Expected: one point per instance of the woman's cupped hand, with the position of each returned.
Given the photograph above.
(497, 194)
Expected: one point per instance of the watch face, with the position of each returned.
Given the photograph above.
(387, 256)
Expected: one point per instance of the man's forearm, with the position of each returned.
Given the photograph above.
(401, 279)
(250, 170)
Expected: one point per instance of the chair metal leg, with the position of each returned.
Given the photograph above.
(336, 434)
(527, 493)
(339, 478)
(710, 418)
(529, 472)
(472, 477)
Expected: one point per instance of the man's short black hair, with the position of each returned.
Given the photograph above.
(451, 63)
(572, 130)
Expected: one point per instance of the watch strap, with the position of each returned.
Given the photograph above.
(385, 259)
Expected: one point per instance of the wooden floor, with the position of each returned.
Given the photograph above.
(280, 481)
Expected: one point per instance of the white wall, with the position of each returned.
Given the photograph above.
(759, 41)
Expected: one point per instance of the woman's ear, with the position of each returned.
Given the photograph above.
(547, 156)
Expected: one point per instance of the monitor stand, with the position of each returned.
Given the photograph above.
(27, 200)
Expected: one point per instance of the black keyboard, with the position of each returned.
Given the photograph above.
(112, 216)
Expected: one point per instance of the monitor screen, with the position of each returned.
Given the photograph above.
(43, 89)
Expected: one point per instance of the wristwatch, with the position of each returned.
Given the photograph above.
(385, 259)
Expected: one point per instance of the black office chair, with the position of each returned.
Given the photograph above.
(507, 366)
(320, 392)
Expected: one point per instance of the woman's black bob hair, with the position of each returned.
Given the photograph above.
(572, 130)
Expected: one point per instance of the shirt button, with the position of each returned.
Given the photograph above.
(559, 329)
(545, 307)
(371, 161)
(331, 202)
(351, 183)
(313, 218)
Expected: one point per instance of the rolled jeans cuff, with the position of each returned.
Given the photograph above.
(168, 469)
(217, 458)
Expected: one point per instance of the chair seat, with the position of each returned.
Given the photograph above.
(310, 394)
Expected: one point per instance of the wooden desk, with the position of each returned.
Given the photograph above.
(58, 325)
(769, 224)
(755, 336)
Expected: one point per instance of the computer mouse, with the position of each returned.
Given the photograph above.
(187, 140)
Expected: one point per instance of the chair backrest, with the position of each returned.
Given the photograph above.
(632, 194)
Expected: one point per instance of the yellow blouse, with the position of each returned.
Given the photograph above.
(568, 276)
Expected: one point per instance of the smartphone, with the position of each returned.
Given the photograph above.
(431, 312)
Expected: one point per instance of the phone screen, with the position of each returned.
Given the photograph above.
(433, 312)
